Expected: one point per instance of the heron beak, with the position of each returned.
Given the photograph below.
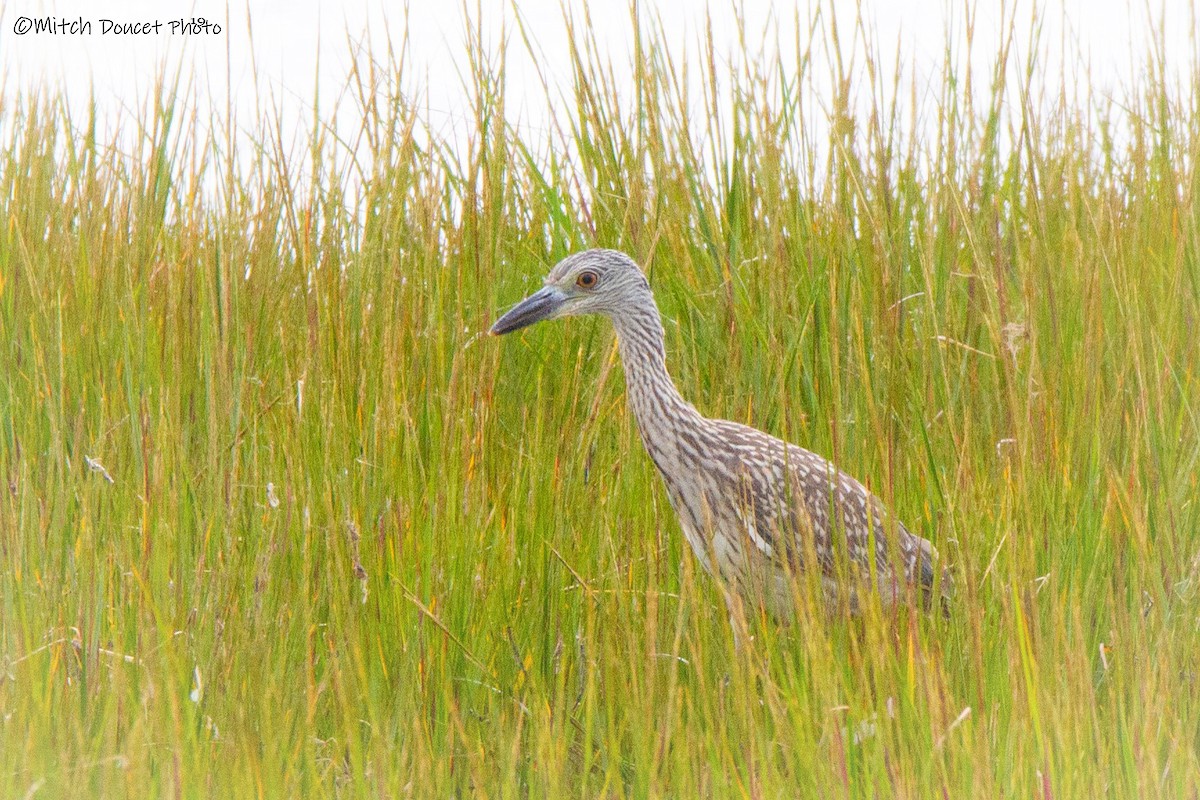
(543, 304)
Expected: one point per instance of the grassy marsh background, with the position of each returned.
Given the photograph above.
(276, 521)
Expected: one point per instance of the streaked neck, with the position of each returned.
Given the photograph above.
(657, 406)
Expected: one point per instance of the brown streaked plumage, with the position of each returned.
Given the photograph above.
(756, 510)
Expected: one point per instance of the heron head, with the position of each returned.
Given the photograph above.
(590, 282)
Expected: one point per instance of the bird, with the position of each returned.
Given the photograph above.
(758, 513)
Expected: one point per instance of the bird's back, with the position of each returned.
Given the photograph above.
(760, 512)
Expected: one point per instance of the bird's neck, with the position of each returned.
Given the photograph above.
(660, 411)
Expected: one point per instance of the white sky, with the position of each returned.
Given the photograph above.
(274, 44)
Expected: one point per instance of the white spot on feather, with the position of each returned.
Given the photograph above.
(751, 528)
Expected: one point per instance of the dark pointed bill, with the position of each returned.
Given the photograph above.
(535, 308)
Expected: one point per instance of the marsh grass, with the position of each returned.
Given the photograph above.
(277, 521)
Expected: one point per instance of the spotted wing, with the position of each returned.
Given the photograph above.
(797, 508)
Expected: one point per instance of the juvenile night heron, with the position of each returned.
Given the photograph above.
(758, 512)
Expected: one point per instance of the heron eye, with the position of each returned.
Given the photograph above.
(587, 279)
